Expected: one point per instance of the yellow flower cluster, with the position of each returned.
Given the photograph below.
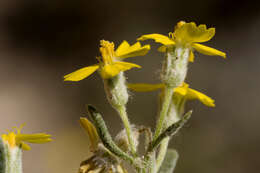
(17, 139)
(178, 48)
(185, 35)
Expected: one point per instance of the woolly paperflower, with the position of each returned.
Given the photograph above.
(188, 35)
(110, 63)
(17, 139)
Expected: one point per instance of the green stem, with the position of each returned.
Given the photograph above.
(151, 161)
(123, 114)
(168, 92)
(162, 152)
(14, 160)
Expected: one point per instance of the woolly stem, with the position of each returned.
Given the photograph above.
(168, 92)
(123, 115)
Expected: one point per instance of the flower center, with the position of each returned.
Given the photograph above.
(174, 36)
(107, 51)
(10, 138)
(179, 24)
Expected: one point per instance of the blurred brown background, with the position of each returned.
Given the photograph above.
(40, 41)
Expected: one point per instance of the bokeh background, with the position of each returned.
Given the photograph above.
(41, 41)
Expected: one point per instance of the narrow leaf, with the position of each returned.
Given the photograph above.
(105, 135)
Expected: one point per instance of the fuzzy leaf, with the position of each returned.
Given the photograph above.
(169, 162)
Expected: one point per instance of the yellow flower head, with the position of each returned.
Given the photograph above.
(110, 63)
(182, 91)
(188, 35)
(17, 139)
(91, 131)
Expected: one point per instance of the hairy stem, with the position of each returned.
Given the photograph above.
(13, 160)
(123, 114)
(162, 152)
(168, 92)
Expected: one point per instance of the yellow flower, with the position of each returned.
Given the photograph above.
(91, 131)
(188, 35)
(110, 64)
(17, 139)
(182, 91)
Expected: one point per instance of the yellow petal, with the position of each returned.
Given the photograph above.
(4, 137)
(25, 146)
(34, 138)
(126, 51)
(181, 91)
(158, 38)
(141, 87)
(122, 47)
(193, 94)
(111, 70)
(123, 66)
(39, 141)
(191, 58)
(162, 49)
(190, 33)
(208, 50)
(84, 168)
(81, 73)
(91, 131)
